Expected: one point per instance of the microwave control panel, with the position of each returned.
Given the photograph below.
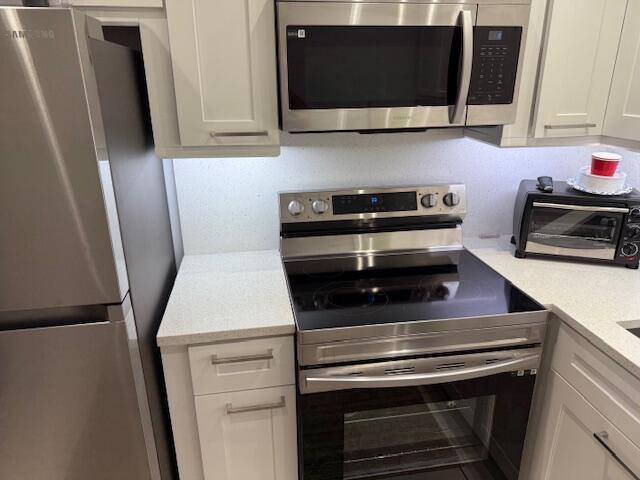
(495, 65)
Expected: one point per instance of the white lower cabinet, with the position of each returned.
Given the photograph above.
(248, 435)
(233, 409)
(568, 447)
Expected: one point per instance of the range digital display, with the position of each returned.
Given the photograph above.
(374, 203)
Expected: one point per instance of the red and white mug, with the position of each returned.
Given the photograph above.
(605, 164)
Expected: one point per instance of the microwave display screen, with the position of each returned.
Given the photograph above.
(495, 35)
(374, 202)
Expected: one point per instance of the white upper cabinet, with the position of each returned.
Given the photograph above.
(577, 65)
(623, 111)
(224, 67)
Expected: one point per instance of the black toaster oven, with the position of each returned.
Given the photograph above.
(573, 225)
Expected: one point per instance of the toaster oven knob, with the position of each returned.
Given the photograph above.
(296, 207)
(429, 200)
(629, 249)
(635, 212)
(451, 199)
(319, 206)
(633, 232)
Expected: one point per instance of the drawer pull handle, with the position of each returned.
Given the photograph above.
(602, 438)
(573, 125)
(256, 408)
(215, 360)
(260, 133)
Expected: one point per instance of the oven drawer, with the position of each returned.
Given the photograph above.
(609, 387)
(243, 365)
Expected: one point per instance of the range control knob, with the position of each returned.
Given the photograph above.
(295, 207)
(429, 200)
(451, 199)
(629, 249)
(319, 206)
(633, 232)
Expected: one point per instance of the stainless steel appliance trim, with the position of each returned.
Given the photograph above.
(572, 125)
(452, 325)
(608, 253)
(581, 208)
(416, 372)
(457, 113)
(256, 408)
(354, 14)
(215, 360)
(435, 2)
(432, 240)
(602, 438)
(421, 344)
(440, 210)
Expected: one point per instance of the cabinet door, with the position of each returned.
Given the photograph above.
(248, 435)
(567, 446)
(110, 3)
(623, 111)
(577, 68)
(224, 66)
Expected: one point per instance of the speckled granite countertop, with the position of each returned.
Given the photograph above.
(227, 296)
(593, 299)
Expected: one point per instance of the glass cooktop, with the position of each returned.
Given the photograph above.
(369, 290)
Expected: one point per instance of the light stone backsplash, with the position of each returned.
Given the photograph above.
(230, 204)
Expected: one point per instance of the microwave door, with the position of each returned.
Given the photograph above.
(574, 230)
(366, 66)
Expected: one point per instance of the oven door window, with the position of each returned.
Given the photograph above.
(467, 430)
(574, 232)
(332, 67)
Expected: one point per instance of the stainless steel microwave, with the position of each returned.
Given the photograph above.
(391, 65)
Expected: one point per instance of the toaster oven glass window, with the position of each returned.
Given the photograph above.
(574, 231)
(365, 66)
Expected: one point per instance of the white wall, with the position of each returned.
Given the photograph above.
(231, 204)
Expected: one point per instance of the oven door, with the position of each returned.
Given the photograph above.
(461, 417)
(363, 66)
(575, 230)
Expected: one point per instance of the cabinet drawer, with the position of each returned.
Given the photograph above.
(248, 435)
(609, 387)
(244, 365)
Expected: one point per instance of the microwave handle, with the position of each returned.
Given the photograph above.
(457, 113)
(524, 362)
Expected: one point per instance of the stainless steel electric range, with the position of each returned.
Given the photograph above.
(416, 361)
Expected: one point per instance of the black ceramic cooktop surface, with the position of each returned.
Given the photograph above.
(371, 290)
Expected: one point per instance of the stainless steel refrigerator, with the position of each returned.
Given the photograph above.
(86, 256)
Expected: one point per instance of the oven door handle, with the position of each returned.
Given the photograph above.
(329, 382)
(581, 208)
(456, 115)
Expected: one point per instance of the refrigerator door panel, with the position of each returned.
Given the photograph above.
(68, 405)
(55, 244)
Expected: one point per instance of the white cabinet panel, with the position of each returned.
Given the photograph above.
(623, 111)
(248, 435)
(110, 3)
(567, 446)
(224, 66)
(244, 365)
(577, 67)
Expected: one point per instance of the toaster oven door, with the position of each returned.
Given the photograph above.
(575, 230)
